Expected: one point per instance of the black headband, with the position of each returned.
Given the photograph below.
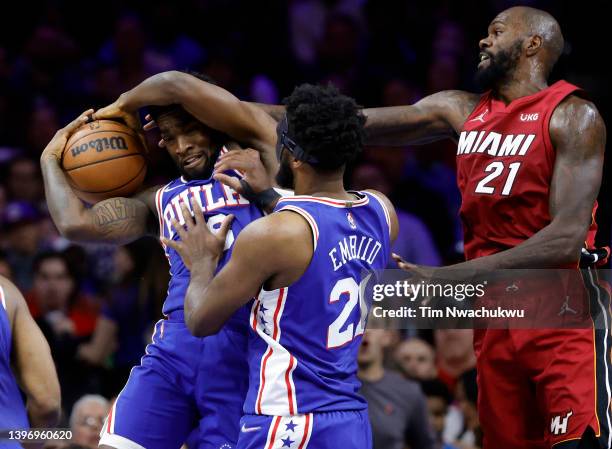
(284, 141)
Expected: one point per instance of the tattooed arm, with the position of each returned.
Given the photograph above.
(115, 220)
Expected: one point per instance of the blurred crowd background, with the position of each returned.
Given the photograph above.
(96, 304)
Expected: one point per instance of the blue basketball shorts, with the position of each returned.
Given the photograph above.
(184, 386)
(326, 430)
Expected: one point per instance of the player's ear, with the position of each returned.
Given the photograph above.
(534, 44)
(295, 163)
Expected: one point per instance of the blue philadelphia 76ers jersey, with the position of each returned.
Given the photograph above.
(304, 338)
(13, 414)
(217, 201)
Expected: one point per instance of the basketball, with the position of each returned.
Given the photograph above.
(104, 159)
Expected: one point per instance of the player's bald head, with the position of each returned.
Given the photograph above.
(535, 22)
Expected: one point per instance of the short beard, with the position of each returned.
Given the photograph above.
(500, 67)
(284, 177)
(207, 170)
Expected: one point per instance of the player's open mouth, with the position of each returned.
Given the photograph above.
(192, 161)
(483, 57)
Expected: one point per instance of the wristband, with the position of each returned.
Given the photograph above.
(264, 199)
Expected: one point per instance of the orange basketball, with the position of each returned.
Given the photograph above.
(104, 159)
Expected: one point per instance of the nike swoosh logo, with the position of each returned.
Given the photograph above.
(246, 429)
(173, 188)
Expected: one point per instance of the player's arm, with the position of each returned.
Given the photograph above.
(283, 241)
(276, 111)
(33, 365)
(578, 134)
(210, 104)
(115, 220)
(434, 117)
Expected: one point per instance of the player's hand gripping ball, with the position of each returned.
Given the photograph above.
(104, 159)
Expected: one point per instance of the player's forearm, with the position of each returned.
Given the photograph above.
(402, 125)
(158, 90)
(66, 209)
(198, 318)
(115, 220)
(44, 413)
(554, 246)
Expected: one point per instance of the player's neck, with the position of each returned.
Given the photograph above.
(322, 186)
(373, 372)
(520, 84)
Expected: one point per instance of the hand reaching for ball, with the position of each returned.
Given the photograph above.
(118, 110)
(55, 147)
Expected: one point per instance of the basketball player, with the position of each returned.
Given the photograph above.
(304, 264)
(25, 361)
(529, 165)
(182, 380)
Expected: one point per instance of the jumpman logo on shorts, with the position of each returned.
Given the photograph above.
(566, 308)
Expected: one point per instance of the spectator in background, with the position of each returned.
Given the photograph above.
(55, 297)
(41, 125)
(170, 40)
(67, 318)
(125, 319)
(339, 53)
(22, 240)
(23, 181)
(307, 20)
(467, 395)
(416, 359)
(455, 354)
(414, 242)
(128, 51)
(397, 407)
(438, 402)
(87, 419)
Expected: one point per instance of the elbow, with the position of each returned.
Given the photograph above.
(199, 326)
(46, 408)
(70, 230)
(176, 84)
(569, 247)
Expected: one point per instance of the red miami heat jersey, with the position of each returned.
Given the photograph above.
(505, 162)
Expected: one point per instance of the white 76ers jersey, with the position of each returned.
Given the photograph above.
(304, 338)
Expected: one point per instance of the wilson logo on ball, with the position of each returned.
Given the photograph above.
(113, 143)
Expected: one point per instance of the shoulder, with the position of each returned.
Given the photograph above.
(393, 219)
(575, 108)
(148, 198)
(282, 239)
(576, 119)
(277, 231)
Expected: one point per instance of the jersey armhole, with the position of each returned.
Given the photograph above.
(309, 219)
(158, 207)
(3, 298)
(385, 210)
(484, 97)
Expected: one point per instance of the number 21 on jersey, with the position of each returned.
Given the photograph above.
(495, 170)
(341, 332)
